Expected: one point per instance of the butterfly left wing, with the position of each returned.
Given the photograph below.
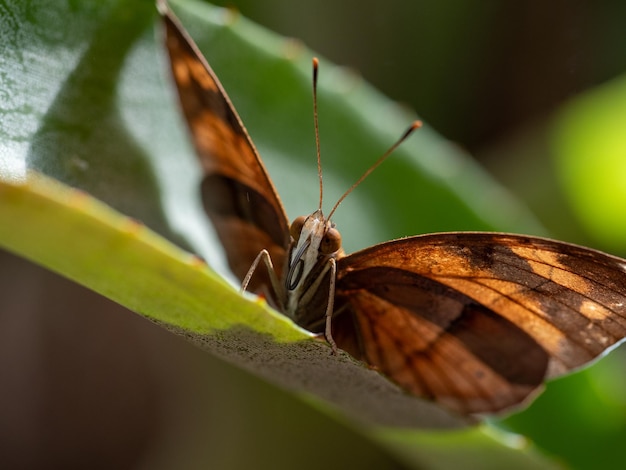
(477, 321)
(237, 192)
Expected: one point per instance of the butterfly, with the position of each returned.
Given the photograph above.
(474, 321)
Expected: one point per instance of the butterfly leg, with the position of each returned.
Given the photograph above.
(263, 255)
(331, 305)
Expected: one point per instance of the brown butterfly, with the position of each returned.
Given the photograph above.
(474, 321)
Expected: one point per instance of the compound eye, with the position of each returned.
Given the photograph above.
(296, 227)
(331, 241)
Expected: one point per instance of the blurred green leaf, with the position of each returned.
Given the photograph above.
(590, 153)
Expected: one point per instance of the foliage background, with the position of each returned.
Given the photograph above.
(502, 81)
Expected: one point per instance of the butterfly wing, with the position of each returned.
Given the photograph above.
(477, 321)
(236, 191)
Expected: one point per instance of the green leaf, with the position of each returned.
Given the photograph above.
(589, 148)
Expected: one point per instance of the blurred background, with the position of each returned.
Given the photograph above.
(534, 91)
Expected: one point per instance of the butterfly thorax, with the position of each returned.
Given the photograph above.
(315, 242)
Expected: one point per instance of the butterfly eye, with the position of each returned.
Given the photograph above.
(331, 241)
(296, 227)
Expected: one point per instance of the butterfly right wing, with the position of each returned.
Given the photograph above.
(478, 321)
(237, 193)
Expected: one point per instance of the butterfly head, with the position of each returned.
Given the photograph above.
(314, 239)
(316, 231)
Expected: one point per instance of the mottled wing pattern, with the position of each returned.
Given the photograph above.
(237, 192)
(477, 321)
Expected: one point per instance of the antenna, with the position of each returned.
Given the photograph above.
(416, 125)
(316, 64)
